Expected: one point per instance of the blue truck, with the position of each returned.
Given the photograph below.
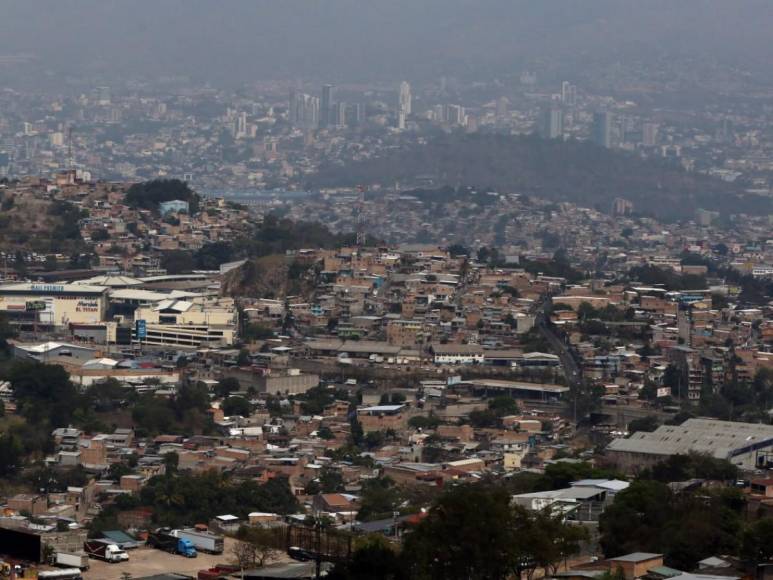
(164, 539)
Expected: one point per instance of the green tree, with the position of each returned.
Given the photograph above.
(324, 432)
(374, 558)
(379, 499)
(171, 462)
(44, 392)
(757, 542)
(243, 359)
(11, 452)
(647, 424)
(226, 386)
(149, 194)
(483, 418)
(686, 527)
(503, 406)
(192, 396)
(6, 332)
(237, 406)
(474, 531)
(330, 481)
(420, 422)
(256, 331)
(100, 235)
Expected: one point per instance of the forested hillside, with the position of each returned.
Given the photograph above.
(573, 171)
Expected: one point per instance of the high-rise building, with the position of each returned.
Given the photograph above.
(326, 105)
(303, 111)
(568, 94)
(404, 99)
(241, 126)
(649, 134)
(552, 123)
(339, 115)
(502, 105)
(103, 95)
(355, 115)
(455, 114)
(622, 206)
(400, 119)
(601, 132)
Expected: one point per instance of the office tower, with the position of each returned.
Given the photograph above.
(601, 132)
(622, 207)
(625, 126)
(241, 126)
(103, 95)
(355, 115)
(528, 78)
(326, 105)
(502, 105)
(649, 134)
(726, 131)
(339, 115)
(552, 123)
(400, 119)
(455, 114)
(303, 111)
(404, 99)
(568, 94)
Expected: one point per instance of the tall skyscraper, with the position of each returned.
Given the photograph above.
(568, 93)
(400, 119)
(356, 115)
(649, 134)
(326, 105)
(404, 98)
(339, 115)
(552, 123)
(455, 114)
(241, 126)
(601, 131)
(303, 111)
(502, 105)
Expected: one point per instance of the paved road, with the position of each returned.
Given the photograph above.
(572, 370)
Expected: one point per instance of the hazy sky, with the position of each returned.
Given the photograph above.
(241, 40)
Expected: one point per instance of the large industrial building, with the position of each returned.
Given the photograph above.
(53, 305)
(194, 323)
(107, 313)
(747, 445)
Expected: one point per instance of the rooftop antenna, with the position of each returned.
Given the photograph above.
(361, 238)
(69, 147)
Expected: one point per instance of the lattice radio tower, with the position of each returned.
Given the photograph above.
(361, 237)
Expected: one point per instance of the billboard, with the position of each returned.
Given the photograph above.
(141, 329)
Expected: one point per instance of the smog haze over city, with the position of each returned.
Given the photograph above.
(386, 289)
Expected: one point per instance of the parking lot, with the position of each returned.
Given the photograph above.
(147, 561)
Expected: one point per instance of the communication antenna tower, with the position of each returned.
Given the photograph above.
(361, 237)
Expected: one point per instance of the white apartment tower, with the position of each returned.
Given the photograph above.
(404, 99)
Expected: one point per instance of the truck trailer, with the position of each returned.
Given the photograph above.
(66, 560)
(164, 539)
(203, 541)
(106, 551)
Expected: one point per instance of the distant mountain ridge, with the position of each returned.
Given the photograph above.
(575, 171)
(338, 40)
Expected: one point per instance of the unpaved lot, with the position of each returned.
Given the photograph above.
(147, 561)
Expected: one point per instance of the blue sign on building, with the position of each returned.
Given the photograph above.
(141, 329)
